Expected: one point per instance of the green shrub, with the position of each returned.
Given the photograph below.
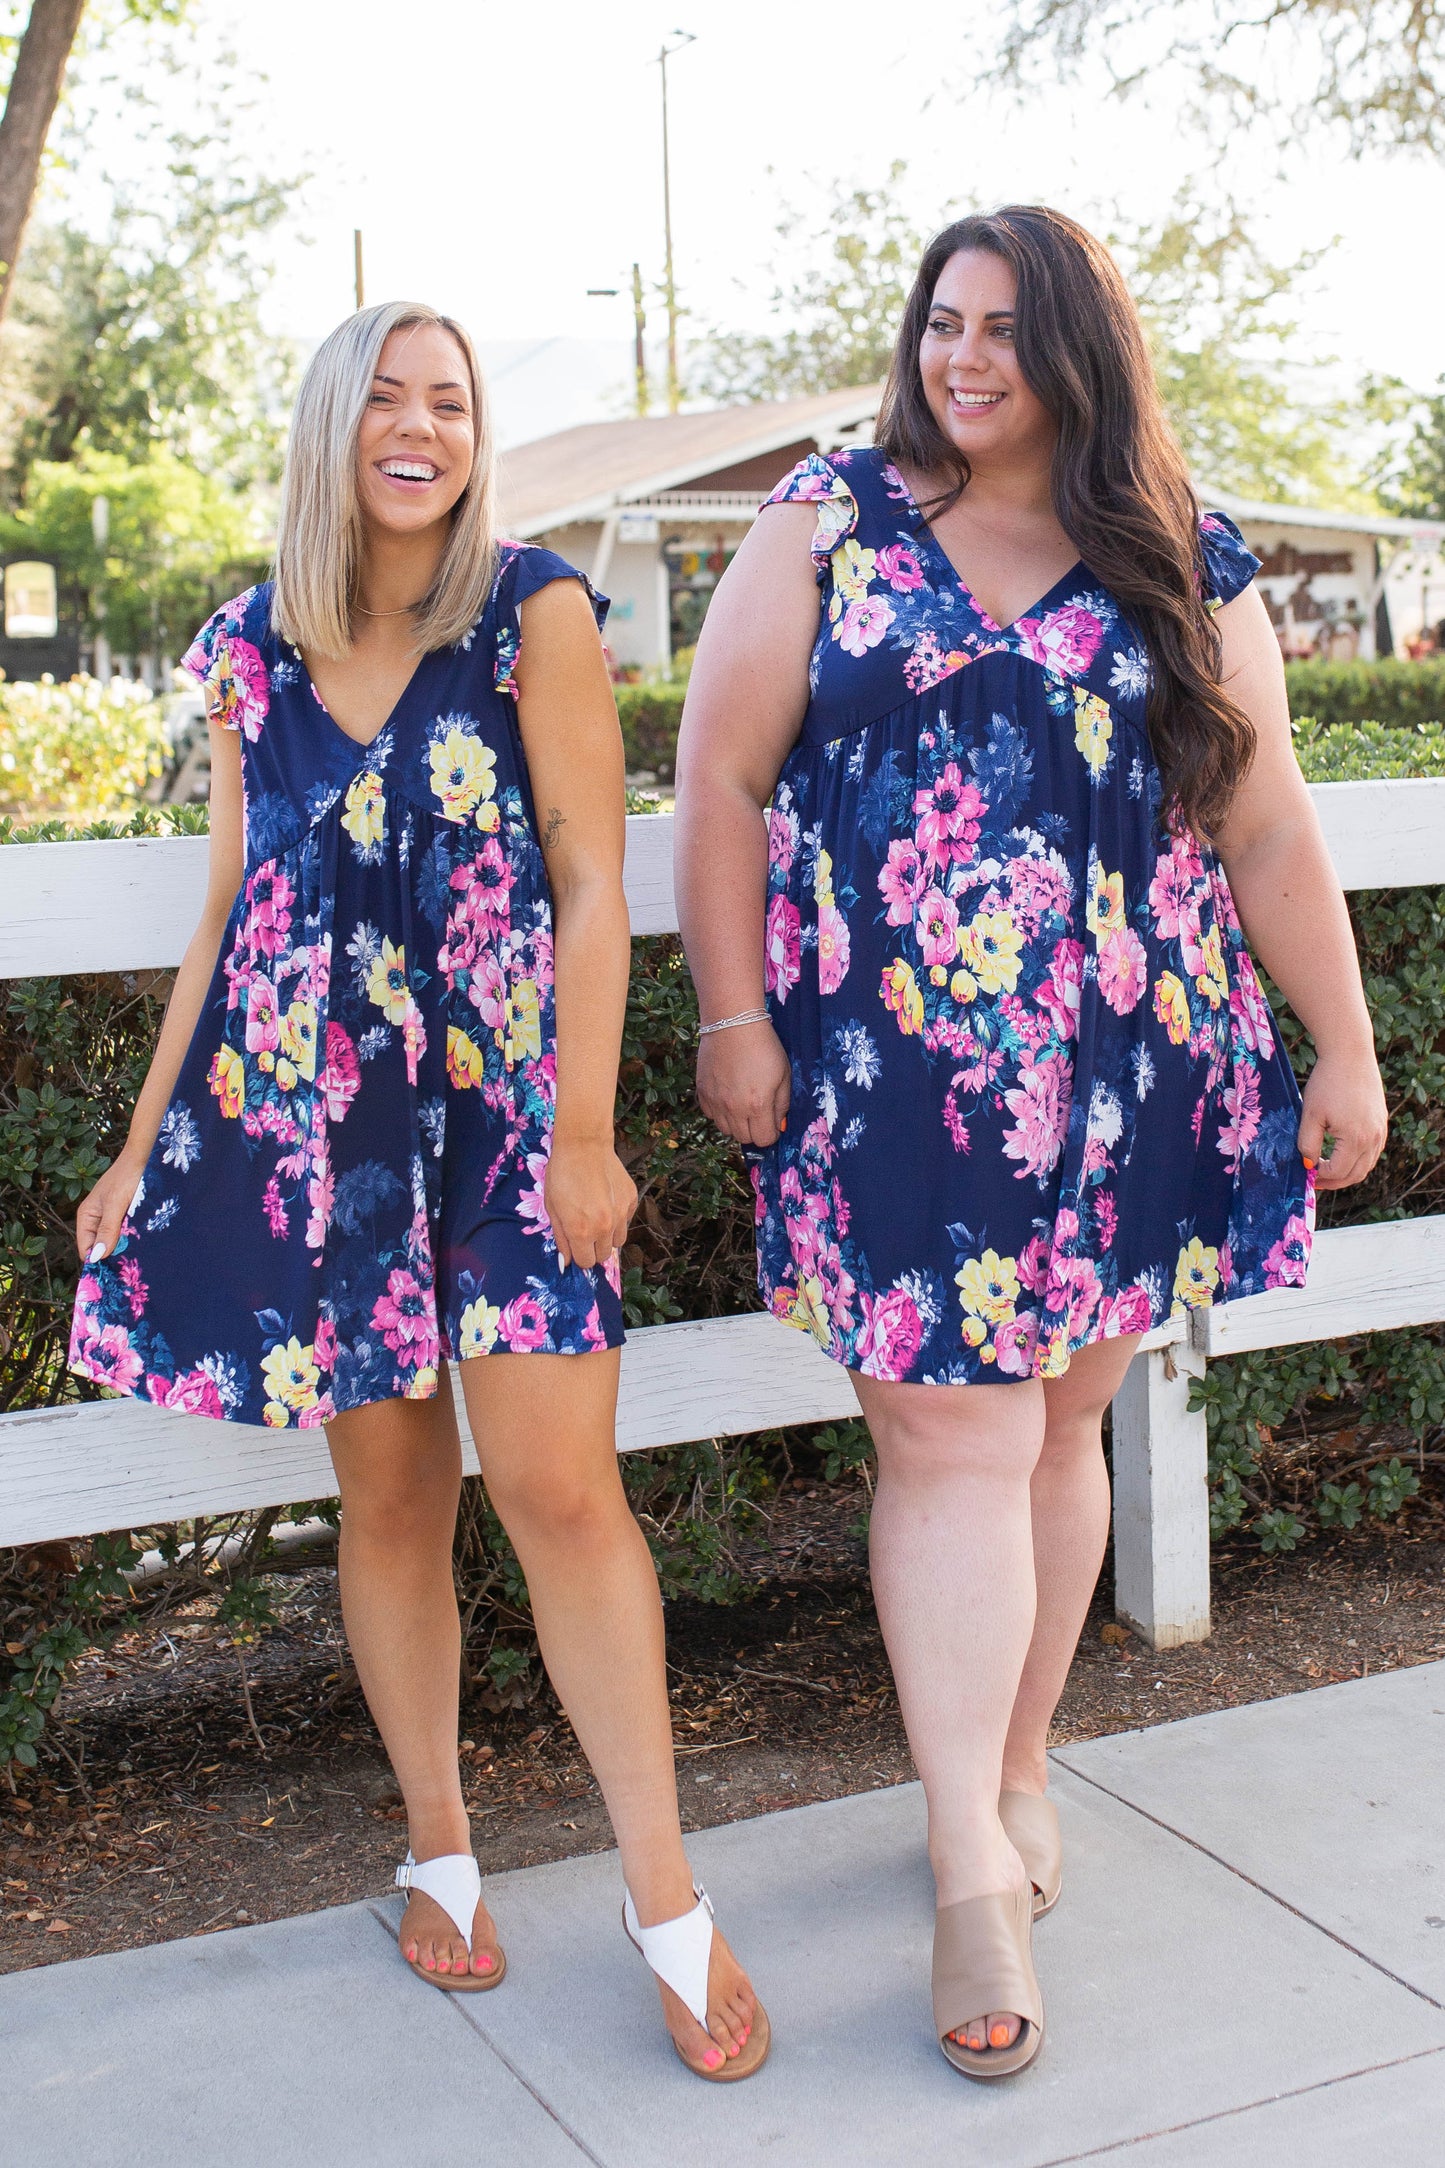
(651, 715)
(72, 751)
(1402, 695)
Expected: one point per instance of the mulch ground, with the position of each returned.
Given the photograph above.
(164, 1817)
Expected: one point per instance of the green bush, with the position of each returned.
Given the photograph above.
(73, 750)
(651, 715)
(1401, 695)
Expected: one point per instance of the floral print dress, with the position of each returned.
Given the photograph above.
(348, 1182)
(1038, 1099)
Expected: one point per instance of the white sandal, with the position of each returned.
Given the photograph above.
(679, 1952)
(453, 1881)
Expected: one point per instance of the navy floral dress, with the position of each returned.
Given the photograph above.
(1038, 1099)
(348, 1183)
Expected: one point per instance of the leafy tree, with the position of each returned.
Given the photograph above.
(839, 303)
(1375, 67)
(1414, 485)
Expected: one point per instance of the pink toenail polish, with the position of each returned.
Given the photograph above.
(712, 2058)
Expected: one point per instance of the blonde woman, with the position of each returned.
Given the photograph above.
(376, 1136)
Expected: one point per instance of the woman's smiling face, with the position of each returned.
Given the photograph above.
(970, 367)
(417, 440)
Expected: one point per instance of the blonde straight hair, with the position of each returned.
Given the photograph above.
(318, 530)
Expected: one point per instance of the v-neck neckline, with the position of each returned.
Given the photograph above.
(363, 745)
(989, 622)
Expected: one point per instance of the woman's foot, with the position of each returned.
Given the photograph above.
(972, 1872)
(731, 2007)
(430, 1938)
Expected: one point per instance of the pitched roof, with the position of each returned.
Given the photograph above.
(583, 473)
(1319, 516)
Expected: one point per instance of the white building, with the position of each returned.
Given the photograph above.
(653, 509)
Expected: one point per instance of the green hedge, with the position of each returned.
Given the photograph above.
(1403, 695)
(650, 715)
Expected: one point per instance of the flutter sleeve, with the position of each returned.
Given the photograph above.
(529, 570)
(1229, 563)
(814, 481)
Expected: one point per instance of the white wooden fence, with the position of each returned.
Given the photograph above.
(79, 1470)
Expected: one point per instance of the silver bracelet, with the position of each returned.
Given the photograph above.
(726, 1023)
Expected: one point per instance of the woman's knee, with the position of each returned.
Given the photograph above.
(967, 1434)
(575, 1508)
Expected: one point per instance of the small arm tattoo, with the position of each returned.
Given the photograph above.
(556, 820)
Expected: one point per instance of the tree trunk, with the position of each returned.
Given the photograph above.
(29, 109)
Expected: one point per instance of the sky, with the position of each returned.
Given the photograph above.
(502, 159)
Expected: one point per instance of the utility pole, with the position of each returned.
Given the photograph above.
(642, 398)
(356, 258)
(669, 283)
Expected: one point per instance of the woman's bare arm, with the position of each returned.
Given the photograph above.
(1293, 912)
(745, 702)
(568, 720)
(98, 1222)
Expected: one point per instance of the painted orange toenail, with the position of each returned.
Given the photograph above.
(998, 2038)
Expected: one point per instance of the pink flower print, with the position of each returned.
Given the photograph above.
(341, 1078)
(192, 1393)
(263, 1023)
(1040, 1104)
(832, 948)
(486, 883)
(592, 1332)
(1123, 970)
(1171, 896)
(782, 838)
(487, 990)
(1066, 1226)
(269, 897)
(405, 1316)
(523, 1325)
(816, 1149)
(782, 948)
(1074, 1288)
(321, 1196)
(1065, 640)
(1033, 1265)
(937, 927)
(1241, 1125)
(901, 881)
(948, 818)
(1060, 992)
(890, 1336)
(532, 1207)
(239, 686)
(318, 1415)
(1106, 1219)
(1127, 1312)
(1014, 1342)
(111, 1360)
(275, 1210)
(323, 1350)
(134, 1286)
(1253, 1018)
(899, 567)
(864, 624)
(1288, 1261)
(413, 1037)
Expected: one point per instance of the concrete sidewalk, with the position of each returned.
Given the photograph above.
(1247, 1968)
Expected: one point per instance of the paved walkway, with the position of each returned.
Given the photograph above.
(1247, 1968)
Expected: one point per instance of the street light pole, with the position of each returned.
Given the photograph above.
(669, 284)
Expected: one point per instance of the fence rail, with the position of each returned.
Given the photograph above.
(78, 1470)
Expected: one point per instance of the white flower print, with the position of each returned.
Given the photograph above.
(181, 1138)
(1130, 673)
(859, 1055)
(1141, 1061)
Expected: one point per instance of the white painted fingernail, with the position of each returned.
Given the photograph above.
(96, 1254)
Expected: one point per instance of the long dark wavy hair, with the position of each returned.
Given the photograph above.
(1121, 489)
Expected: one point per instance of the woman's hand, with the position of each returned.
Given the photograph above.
(97, 1223)
(1344, 1100)
(744, 1082)
(590, 1199)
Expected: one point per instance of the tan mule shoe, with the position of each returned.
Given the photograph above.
(982, 1961)
(1031, 1824)
(453, 1881)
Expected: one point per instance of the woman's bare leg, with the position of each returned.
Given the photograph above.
(399, 1468)
(1070, 1504)
(953, 1577)
(545, 1429)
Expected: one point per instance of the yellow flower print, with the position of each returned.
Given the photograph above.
(365, 817)
(465, 1064)
(1171, 1006)
(823, 879)
(477, 1334)
(852, 571)
(990, 946)
(298, 1038)
(1211, 981)
(810, 1311)
(423, 1383)
(463, 772)
(1054, 1353)
(285, 1073)
(963, 986)
(387, 985)
(275, 1415)
(228, 1081)
(489, 816)
(1196, 1275)
(974, 1330)
(292, 1378)
(1105, 908)
(901, 994)
(524, 1024)
(1093, 729)
(988, 1287)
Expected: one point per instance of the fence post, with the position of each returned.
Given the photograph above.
(1161, 1499)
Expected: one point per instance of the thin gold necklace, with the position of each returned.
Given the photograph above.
(404, 611)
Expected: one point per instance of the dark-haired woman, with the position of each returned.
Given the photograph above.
(978, 999)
